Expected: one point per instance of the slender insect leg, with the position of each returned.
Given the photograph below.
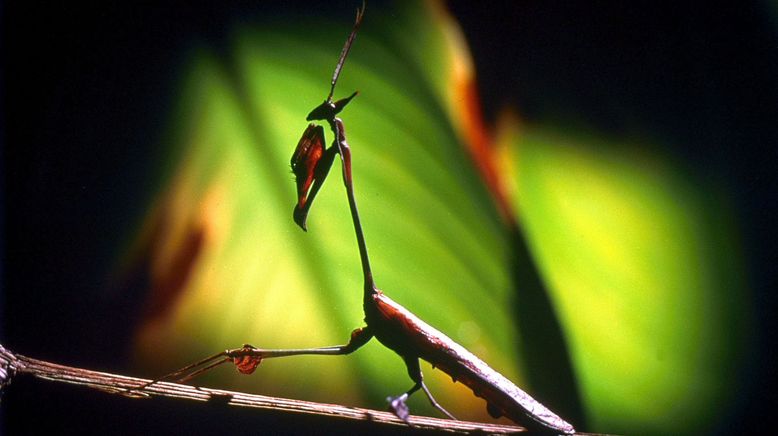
(359, 337)
(397, 404)
(186, 373)
(247, 358)
(435, 403)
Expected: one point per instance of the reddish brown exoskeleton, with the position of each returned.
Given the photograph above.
(393, 325)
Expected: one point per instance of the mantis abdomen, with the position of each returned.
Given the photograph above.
(410, 337)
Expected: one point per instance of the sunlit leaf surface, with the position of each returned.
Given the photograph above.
(232, 265)
(640, 263)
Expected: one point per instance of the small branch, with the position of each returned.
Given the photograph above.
(12, 365)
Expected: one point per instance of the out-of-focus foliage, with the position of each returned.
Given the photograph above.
(640, 262)
(230, 266)
(642, 269)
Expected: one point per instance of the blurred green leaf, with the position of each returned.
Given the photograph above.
(641, 262)
(435, 240)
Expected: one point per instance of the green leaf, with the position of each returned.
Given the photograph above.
(642, 262)
(640, 258)
(436, 242)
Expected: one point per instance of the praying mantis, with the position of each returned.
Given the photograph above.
(389, 322)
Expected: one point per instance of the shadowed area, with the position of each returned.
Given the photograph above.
(547, 363)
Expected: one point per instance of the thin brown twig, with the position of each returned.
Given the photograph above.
(12, 365)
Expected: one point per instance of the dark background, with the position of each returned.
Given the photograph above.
(87, 89)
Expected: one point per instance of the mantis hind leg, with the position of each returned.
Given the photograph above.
(397, 404)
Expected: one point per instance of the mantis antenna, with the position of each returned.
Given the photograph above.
(345, 50)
